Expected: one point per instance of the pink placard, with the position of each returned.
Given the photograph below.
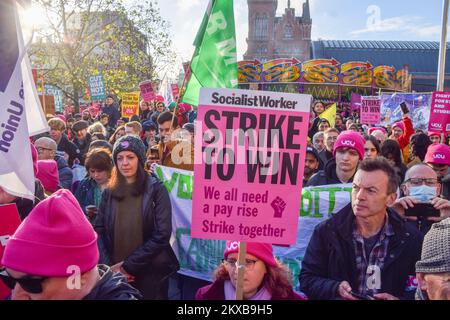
(253, 193)
(440, 112)
(175, 91)
(9, 221)
(147, 92)
(370, 110)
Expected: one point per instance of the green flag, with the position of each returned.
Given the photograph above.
(214, 64)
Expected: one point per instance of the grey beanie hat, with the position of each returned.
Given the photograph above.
(129, 143)
(436, 249)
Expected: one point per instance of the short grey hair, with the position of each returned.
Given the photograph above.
(48, 142)
(317, 136)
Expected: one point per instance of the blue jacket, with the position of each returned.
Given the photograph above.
(64, 172)
(113, 112)
(85, 193)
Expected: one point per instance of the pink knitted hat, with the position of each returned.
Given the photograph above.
(262, 251)
(350, 139)
(55, 236)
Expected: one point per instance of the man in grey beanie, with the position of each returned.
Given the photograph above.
(433, 269)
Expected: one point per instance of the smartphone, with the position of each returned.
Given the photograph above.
(361, 296)
(404, 108)
(422, 210)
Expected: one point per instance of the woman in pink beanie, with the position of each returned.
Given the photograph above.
(265, 278)
(53, 255)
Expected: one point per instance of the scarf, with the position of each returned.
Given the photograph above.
(230, 292)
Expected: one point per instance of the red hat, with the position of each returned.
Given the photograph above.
(350, 139)
(48, 174)
(438, 154)
(400, 125)
(262, 251)
(54, 237)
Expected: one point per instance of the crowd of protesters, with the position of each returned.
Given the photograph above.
(97, 176)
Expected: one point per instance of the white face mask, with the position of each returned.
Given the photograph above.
(423, 193)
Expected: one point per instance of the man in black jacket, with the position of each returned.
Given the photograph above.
(366, 248)
(111, 108)
(57, 128)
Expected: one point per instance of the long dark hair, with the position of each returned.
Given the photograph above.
(119, 186)
(419, 145)
(391, 147)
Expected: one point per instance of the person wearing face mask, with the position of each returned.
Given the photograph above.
(421, 186)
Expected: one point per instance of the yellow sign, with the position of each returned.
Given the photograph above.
(130, 104)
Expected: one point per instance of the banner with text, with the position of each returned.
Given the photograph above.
(419, 109)
(199, 257)
(440, 112)
(255, 140)
(370, 110)
(130, 104)
(97, 88)
(147, 91)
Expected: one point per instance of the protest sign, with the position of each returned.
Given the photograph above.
(9, 221)
(130, 104)
(255, 140)
(419, 106)
(147, 91)
(175, 91)
(370, 110)
(199, 257)
(97, 88)
(355, 102)
(440, 112)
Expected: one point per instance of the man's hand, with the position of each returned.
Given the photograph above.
(402, 204)
(344, 290)
(116, 268)
(443, 205)
(384, 296)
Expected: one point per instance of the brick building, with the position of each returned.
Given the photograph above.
(271, 37)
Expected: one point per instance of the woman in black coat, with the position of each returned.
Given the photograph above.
(134, 222)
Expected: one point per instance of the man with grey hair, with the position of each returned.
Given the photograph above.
(421, 186)
(47, 150)
(318, 141)
(433, 269)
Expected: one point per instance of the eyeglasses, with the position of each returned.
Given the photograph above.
(31, 284)
(232, 263)
(419, 181)
(41, 149)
